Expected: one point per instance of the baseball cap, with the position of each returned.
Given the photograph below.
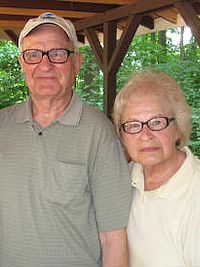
(51, 18)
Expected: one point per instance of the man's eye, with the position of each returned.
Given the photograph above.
(31, 55)
(34, 55)
(55, 54)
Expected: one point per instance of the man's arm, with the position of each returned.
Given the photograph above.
(114, 248)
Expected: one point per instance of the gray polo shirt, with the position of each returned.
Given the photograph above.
(59, 186)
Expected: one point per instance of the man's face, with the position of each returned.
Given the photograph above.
(47, 79)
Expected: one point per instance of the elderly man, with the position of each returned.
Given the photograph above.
(64, 183)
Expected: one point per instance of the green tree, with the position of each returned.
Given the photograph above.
(12, 86)
(89, 83)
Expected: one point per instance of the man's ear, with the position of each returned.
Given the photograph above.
(20, 60)
(78, 61)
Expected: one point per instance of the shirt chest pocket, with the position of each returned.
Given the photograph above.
(65, 183)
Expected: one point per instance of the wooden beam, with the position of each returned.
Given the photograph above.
(58, 5)
(14, 24)
(36, 12)
(190, 17)
(95, 45)
(119, 2)
(110, 38)
(141, 6)
(147, 22)
(196, 6)
(13, 37)
(124, 42)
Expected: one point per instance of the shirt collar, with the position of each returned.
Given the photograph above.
(180, 181)
(183, 175)
(137, 176)
(24, 113)
(71, 115)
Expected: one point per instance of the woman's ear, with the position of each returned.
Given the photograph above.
(178, 137)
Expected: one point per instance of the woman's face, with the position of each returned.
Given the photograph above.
(150, 147)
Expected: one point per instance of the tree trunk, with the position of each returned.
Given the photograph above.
(181, 45)
(162, 41)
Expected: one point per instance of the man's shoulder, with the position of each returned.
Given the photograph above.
(11, 111)
(95, 115)
(98, 121)
(87, 113)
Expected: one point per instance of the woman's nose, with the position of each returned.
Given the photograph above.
(146, 132)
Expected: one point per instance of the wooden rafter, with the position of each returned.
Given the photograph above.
(57, 5)
(120, 51)
(95, 45)
(190, 16)
(142, 6)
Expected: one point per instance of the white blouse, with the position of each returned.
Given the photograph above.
(164, 224)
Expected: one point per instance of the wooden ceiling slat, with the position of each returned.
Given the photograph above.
(36, 12)
(117, 2)
(16, 24)
(169, 14)
(57, 5)
(123, 11)
(13, 17)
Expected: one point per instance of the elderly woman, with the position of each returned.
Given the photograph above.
(153, 120)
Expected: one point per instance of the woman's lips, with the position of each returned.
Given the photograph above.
(149, 149)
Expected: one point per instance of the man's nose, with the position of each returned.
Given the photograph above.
(45, 60)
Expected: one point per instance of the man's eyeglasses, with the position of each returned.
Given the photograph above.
(154, 124)
(56, 55)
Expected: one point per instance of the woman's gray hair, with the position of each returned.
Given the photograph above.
(169, 89)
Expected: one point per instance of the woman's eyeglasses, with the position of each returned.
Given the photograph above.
(154, 124)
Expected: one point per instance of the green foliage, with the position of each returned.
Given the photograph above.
(12, 86)
(89, 83)
(187, 72)
(152, 50)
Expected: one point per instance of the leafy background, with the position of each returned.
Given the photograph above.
(152, 50)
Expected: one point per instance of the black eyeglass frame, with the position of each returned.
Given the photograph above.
(47, 53)
(168, 120)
